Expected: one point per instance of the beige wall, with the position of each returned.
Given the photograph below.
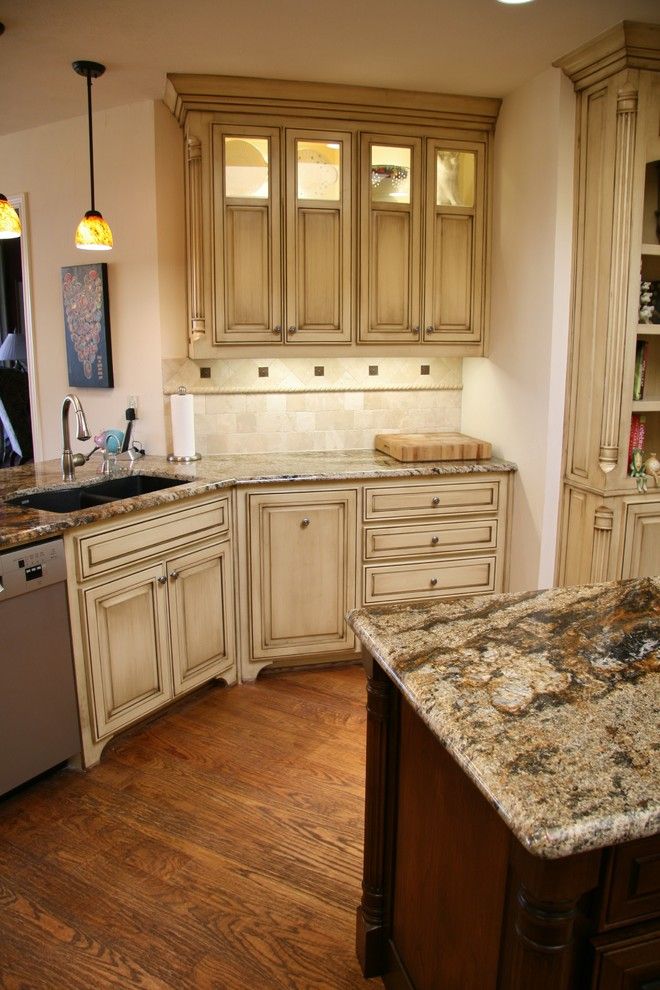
(135, 192)
(516, 396)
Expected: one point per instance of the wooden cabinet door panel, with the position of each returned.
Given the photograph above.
(455, 246)
(247, 271)
(319, 250)
(201, 616)
(641, 549)
(302, 563)
(390, 251)
(128, 636)
(452, 273)
(247, 243)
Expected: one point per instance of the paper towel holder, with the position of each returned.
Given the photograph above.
(174, 458)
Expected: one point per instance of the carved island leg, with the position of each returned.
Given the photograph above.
(544, 924)
(373, 911)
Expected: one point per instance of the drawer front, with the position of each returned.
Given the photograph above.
(445, 578)
(429, 539)
(106, 551)
(440, 499)
(634, 883)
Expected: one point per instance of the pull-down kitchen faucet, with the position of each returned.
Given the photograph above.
(71, 461)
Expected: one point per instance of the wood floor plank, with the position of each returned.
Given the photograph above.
(216, 847)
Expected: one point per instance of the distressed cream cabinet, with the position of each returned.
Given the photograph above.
(301, 560)
(333, 215)
(609, 529)
(152, 609)
(308, 553)
(422, 240)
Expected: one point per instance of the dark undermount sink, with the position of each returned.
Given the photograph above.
(89, 495)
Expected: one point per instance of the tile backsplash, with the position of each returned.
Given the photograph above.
(253, 405)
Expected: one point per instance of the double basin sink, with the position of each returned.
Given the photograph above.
(90, 495)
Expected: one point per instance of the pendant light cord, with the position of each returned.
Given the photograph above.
(91, 141)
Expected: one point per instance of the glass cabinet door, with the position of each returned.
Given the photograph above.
(455, 242)
(318, 248)
(247, 267)
(390, 227)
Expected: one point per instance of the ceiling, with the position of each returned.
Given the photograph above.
(474, 47)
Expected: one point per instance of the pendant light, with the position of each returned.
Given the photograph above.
(93, 233)
(10, 225)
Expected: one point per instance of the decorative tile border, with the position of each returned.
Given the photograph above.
(245, 376)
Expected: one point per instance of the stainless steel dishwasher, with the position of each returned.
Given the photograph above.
(38, 712)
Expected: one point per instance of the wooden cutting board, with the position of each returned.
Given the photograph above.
(432, 446)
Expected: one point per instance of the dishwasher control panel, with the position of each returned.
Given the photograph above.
(28, 568)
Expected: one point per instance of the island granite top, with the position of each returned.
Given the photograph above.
(549, 701)
(21, 525)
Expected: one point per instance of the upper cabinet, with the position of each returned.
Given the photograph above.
(328, 215)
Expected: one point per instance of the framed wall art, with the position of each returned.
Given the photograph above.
(87, 325)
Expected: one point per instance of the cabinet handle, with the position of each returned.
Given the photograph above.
(277, 331)
(293, 329)
(435, 539)
(174, 575)
(162, 580)
(435, 500)
(415, 330)
(434, 581)
(305, 522)
(430, 329)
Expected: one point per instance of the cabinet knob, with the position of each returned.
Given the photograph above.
(434, 581)
(305, 522)
(174, 575)
(430, 329)
(293, 329)
(435, 540)
(435, 500)
(162, 580)
(277, 331)
(415, 330)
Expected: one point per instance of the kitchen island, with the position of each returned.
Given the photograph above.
(513, 791)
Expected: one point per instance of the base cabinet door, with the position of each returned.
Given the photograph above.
(302, 572)
(641, 546)
(128, 637)
(201, 615)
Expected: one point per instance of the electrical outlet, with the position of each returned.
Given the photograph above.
(132, 403)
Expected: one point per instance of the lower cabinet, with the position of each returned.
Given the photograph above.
(311, 552)
(155, 621)
(301, 564)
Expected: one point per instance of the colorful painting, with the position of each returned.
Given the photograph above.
(87, 325)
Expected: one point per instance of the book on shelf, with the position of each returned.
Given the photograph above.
(641, 357)
(637, 435)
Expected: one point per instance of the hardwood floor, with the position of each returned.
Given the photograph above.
(217, 847)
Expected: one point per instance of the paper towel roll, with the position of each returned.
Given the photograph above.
(183, 426)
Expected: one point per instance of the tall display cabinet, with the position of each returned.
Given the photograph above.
(610, 520)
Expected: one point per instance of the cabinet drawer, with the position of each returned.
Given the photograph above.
(429, 539)
(633, 890)
(431, 500)
(448, 577)
(106, 551)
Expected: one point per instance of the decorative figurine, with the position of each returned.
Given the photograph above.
(652, 468)
(646, 307)
(637, 470)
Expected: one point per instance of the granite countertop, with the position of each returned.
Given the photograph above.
(549, 701)
(20, 525)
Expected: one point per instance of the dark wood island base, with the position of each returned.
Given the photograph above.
(453, 901)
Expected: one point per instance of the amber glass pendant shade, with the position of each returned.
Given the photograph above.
(10, 225)
(93, 233)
